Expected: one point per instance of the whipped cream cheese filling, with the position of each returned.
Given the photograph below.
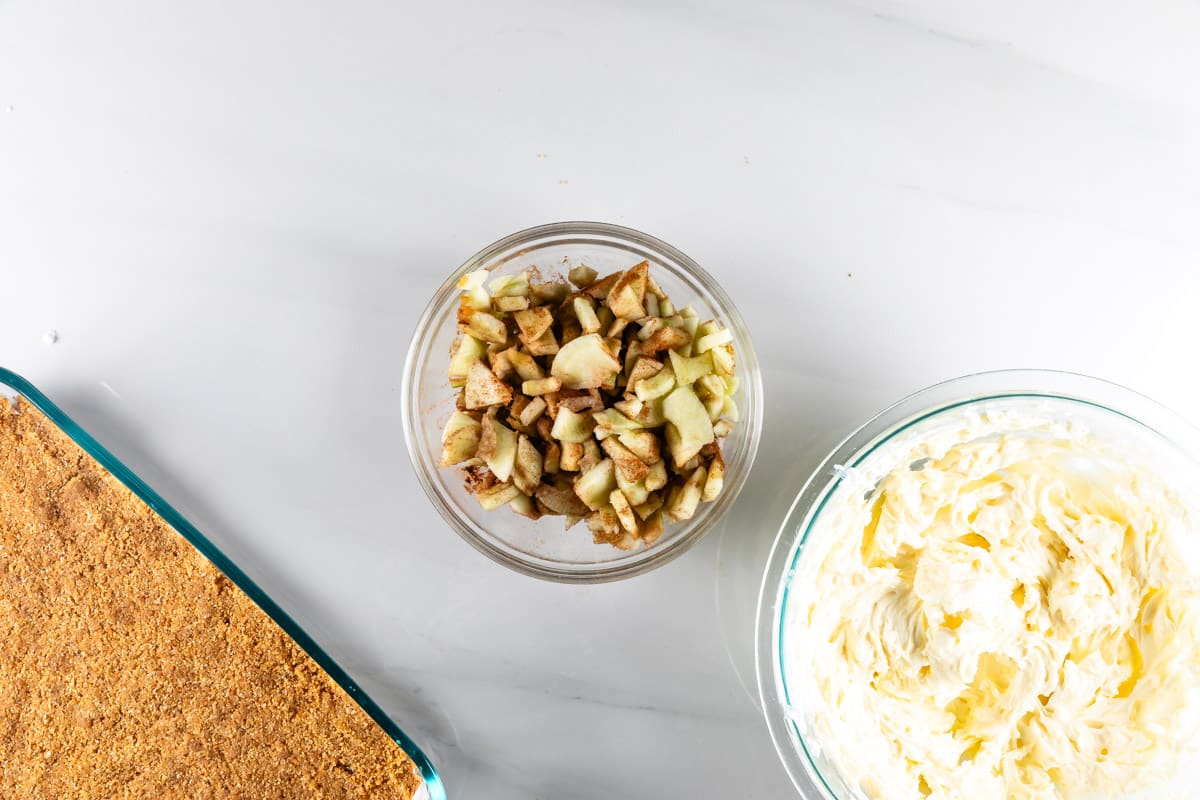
(998, 604)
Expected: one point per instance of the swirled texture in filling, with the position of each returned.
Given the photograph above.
(1003, 610)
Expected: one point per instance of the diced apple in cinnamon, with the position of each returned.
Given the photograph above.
(683, 500)
(657, 477)
(541, 386)
(497, 447)
(666, 339)
(525, 506)
(533, 322)
(532, 410)
(625, 296)
(585, 363)
(524, 364)
(544, 345)
(582, 276)
(599, 288)
(716, 478)
(460, 439)
(585, 312)
(594, 486)
(572, 454)
(572, 427)
(690, 369)
(653, 502)
(467, 351)
(500, 494)
(689, 427)
(527, 470)
(624, 511)
(643, 444)
(652, 528)
(657, 385)
(631, 467)
(635, 491)
(484, 389)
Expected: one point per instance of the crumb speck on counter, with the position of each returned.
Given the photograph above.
(50, 337)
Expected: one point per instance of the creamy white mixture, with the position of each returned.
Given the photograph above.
(998, 605)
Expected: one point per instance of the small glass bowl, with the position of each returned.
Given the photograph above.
(542, 548)
(1103, 406)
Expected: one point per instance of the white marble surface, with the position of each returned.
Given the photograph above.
(233, 213)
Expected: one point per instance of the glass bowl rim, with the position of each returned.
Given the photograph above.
(1107, 396)
(647, 558)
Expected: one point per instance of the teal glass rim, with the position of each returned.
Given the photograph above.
(432, 782)
(783, 720)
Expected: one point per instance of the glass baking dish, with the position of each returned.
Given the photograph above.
(12, 385)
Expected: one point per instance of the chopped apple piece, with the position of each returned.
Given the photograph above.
(658, 385)
(549, 292)
(651, 415)
(541, 386)
(533, 409)
(624, 303)
(657, 477)
(582, 276)
(510, 303)
(533, 322)
(715, 480)
(722, 428)
(553, 454)
(731, 410)
(614, 421)
(467, 351)
(498, 495)
(643, 444)
(510, 285)
(599, 288)
(665, 308)
(572, 427)
(591, 455)
(485, 389)
(572, 453)
(652, 307)
(571, 520)
(623, 511)
(523, 505)
(616, 327)
(487, 327)
(635, 491)
(666, 339)
(683, 500)
(709, 341)
(652, 503)
(560, 500)
(497, 448)
(525, 365)
(585, 312)
(689, 427)
(544, 345)
(689, 370)
(642, 369)
(630, 466)
(473, 291)
(652, 528)
(649, 327)
(585, 363)
(711, 391)
(723, 359)
(630, 408)
(460, 439)
(594, 486)
(527, 470)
